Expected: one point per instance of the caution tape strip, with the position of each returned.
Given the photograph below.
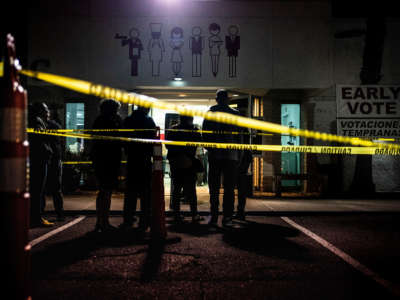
(103, 91)
(277, 148)
(147, 129)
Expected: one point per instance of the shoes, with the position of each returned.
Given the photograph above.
(45, 223)
(227, 221)
(107, 228)
(143, 224)
(178, 219)
(197, 218)
(213, 220)
(240, 216)
(125, 226)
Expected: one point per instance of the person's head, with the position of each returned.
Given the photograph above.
(214, 28)
(143, 109)
(41, 110)
(186, 120)
(222, 96)
(109, 107)
(176, 33)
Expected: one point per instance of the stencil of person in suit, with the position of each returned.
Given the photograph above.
(214, 42)
(156, 48)
(232, 45)
(176, 44)
(135, 48)
(196, 44)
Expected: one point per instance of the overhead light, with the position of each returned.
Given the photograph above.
(178, 79)
(182, 95)
(235, 95)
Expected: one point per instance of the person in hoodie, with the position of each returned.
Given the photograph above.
(139, 168)
(223, 163)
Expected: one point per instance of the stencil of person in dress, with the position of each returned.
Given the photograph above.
(135, 48)
(196, 44)
(214, 42)
(176, 44)
(232, 45)
(156, 48)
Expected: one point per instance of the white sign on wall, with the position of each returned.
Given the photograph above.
(368, 111)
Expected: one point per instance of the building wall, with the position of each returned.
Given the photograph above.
(283, 46)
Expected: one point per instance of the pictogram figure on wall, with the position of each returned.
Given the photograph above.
(232, 45)
(176, 44)
(135, 48)
(156, 48)
(214, 42)
(196, 44)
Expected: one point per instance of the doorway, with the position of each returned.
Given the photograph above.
(290, 162)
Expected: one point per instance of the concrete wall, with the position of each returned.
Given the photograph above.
(282, 45)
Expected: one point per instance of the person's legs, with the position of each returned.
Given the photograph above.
(242, 193)
(178, 180)
(55, 186)
(103, 203)
(214, 183)
(229, 174)
(37, 181)
(145, 197)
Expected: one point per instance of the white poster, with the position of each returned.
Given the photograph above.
(368, 111)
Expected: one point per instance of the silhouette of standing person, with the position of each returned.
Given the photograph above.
(39, 156)
(156, 48)
(232, 44)
(222, 162)
(54, 178)
(106, 156)
(139, 168)
(196, 44)
(176, 44)
(214, 43)
(184, 167)
(135, 48)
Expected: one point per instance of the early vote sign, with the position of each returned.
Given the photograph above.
(368, 111)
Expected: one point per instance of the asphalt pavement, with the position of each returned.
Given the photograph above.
(286, 249)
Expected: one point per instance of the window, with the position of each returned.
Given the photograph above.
(75, 119)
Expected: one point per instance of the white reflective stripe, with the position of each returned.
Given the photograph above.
(13, 124)
(157, 165)
(13, 175)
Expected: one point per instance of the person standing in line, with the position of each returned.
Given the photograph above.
(54, 178)
(222, 162)
(184, 167)
(39, 156)
(106, 156)
(139, 168)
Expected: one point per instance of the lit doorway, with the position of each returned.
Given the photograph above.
(290, 117)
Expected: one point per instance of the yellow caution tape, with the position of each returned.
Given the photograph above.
(84, 162)
(102, 91)
(279, 148)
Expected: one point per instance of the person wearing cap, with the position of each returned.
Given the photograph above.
(223, 163)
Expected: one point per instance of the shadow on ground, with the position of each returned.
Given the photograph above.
(264, 239)
(58, 255)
